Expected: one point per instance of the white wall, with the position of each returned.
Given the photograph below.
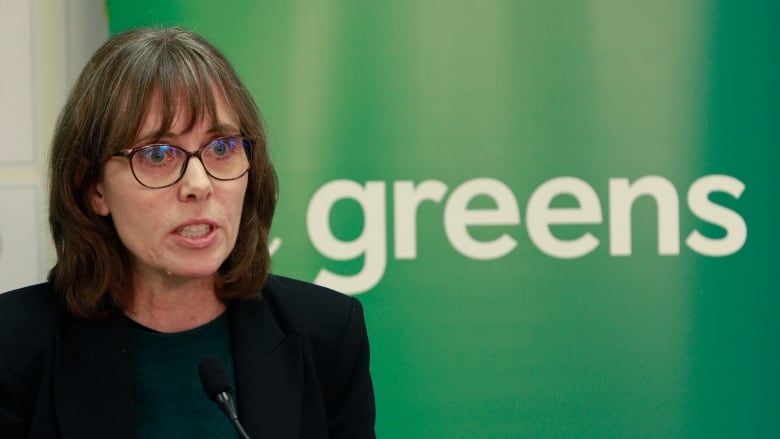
(43, 45)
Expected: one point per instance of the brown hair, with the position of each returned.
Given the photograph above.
(103, 114)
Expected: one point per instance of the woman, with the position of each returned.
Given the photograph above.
(161, 200)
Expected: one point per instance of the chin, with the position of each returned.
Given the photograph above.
(194, 272)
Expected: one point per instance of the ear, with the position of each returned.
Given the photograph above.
(98, 200)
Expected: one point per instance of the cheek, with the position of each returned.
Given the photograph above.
(237, 204)
(135, 217)
(135, 220)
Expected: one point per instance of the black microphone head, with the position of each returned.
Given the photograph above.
(213, 377)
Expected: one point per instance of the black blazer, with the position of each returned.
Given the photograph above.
(300, 357)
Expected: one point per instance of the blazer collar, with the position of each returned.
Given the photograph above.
(93, 383)
(269, 371)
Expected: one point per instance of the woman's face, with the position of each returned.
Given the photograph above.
(184, 231)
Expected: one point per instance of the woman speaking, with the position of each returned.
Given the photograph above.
(161, 200)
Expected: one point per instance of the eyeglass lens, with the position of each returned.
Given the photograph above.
(162, 165)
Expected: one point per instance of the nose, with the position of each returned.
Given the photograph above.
(195, 184)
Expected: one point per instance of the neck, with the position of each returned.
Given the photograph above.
(174, 306)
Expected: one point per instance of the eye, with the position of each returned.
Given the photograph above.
(221, 147)
(156, 155)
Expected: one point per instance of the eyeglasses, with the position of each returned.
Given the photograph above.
(162, 165)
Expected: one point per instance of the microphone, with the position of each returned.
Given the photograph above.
(217, 386)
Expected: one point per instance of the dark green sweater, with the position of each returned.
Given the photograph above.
(170, 401)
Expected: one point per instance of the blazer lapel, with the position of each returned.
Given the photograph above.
(269, 372)
(93, 382)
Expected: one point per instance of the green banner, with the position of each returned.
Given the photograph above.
(560, 216)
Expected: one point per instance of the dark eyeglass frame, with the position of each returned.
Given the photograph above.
(129, 153)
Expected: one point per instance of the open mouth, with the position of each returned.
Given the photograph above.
(194, 230)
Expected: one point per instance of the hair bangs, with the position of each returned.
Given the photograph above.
(170, 79)
(186, 86)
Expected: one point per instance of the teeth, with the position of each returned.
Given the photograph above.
(194, 231)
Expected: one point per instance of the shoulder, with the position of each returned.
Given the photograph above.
(30, 318)
(28, 311)
(313, 309)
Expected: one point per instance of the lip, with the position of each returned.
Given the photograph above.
(197, 242)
